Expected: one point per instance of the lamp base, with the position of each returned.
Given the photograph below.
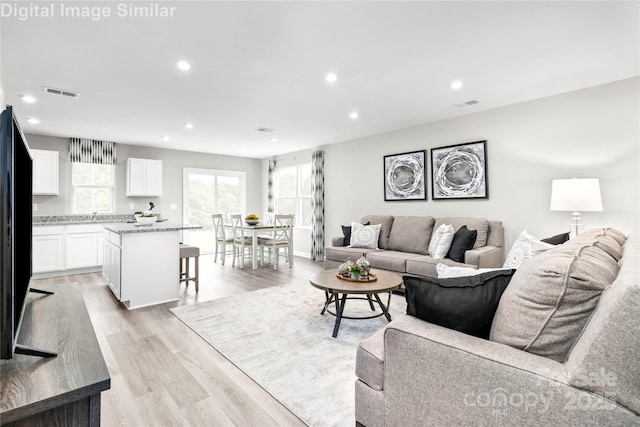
(576, 225)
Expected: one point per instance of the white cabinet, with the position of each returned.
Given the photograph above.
(112, 261)
(83, 246)
(144, 177)
(48, 249)
(45, 172)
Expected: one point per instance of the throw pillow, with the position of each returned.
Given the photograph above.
(558, 239)
(525, 247)
(446, 271)
(466, 304)
(463, 240)
(552, 296)
(364, 236)
(441, 241)
(346, 232)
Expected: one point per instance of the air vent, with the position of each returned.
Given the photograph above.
(269, 130)
(467, 103)
(62, 92)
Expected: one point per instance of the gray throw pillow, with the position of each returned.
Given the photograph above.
(551, 296)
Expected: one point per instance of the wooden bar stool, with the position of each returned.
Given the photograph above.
(186, 253)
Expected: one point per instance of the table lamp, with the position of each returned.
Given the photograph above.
(576, 195)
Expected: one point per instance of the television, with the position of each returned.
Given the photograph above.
(16, 226)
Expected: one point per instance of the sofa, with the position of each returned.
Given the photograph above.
(403, 244)
(563, 372)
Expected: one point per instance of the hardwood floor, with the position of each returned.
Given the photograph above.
(162, 373)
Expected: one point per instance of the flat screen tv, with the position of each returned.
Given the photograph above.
(16, 225)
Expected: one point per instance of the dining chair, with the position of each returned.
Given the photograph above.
(221, 238)
(280, 238)
(240, 241)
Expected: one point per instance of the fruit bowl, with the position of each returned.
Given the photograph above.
(146, 220)
(252, 221)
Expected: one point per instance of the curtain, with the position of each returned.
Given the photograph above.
(270, 181)
(317, 211)
(92, 151)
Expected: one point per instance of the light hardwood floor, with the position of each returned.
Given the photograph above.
(162, 373)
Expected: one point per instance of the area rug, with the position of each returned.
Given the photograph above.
(277, 337)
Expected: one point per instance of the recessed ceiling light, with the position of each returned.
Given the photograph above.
(456, 85)
(28, 99)
(331, 77)
(166, 138)
(33, 121)
(354, 115)
(189, 126)
(274, 139)
(184, 65)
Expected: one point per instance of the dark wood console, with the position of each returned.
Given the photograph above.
(56, 391)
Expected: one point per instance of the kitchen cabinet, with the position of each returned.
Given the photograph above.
(83, 246)
(45, 172)
(144, 177)
(112, 261)
(48, 248)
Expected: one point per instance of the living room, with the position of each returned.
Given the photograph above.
(580, 119)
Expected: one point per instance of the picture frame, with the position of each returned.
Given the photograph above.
(404, 176)
(459, 171)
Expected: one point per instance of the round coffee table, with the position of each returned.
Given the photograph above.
(334, 287)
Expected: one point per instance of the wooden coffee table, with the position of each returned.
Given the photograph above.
(338, 291)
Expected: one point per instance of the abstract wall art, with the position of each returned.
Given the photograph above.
(404, 176)
(459, 171)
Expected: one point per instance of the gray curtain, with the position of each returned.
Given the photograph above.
(92, 151)
(317, 212)
(270, 182)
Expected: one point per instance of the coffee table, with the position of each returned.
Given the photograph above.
(338, 291)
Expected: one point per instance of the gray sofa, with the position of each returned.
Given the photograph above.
(404, 241)
(414, 373)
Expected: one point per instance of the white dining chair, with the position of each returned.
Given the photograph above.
(280, 238)
(242, 245)
(222, 239)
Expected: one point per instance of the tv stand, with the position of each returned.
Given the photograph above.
(65, 388)
(32, 351)
(40, 291)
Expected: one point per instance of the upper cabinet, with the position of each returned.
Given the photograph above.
(45, 172)
(144, 177)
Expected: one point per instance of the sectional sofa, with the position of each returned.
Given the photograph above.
(563, 350)
(403, 244)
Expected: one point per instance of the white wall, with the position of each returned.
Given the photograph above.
(173, 162)
(591, 133)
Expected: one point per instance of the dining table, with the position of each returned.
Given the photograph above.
(255, 230)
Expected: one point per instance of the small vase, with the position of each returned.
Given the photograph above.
(355, 276)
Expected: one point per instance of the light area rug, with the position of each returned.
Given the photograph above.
(278, 338)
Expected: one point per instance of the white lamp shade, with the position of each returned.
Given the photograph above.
(577, 195)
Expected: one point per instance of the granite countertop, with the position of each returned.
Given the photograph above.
(158, 226)
(81, 219)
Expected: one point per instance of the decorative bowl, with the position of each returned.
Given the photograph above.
(252, 221)
(146, 220)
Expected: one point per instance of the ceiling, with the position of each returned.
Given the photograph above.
(263, 64)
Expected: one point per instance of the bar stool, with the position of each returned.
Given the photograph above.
(186, 253)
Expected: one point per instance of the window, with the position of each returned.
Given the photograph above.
(93, 187)
(293, 193)
(208, 191)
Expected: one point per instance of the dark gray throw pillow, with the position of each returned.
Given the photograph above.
(558, 239)
(463, 240)
(466, 304)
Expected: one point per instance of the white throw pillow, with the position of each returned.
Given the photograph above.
(525, 247)
(446, 271)
(441, 241)
(364, 236)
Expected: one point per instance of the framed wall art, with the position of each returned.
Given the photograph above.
(404, 176)
(459, 171)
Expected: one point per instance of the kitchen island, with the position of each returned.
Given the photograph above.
(141, 262)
